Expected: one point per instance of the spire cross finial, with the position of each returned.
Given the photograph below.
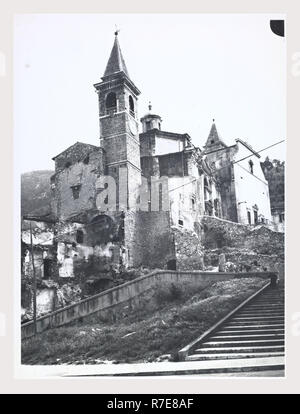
(117, 30)
(213, 119)
(150, 106)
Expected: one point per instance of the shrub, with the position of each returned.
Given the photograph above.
(167, 292)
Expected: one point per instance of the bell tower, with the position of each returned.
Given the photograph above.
(118, 117)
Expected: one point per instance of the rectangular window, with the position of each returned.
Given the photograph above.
(249, 217)
(255, 217)
(47, 268)
(281, 217)
(180, 222)
(76, 191)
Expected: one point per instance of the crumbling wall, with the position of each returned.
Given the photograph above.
(248, 248)
(245, 260)
(43, 249)
(188, 249)
(74, 188)
(50, 296)
(88, 257)
(218, 233)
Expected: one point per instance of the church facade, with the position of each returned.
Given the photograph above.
(159, 184)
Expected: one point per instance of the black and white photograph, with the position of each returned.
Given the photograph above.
(150, 156)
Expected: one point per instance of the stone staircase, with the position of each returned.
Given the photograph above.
(255, 331)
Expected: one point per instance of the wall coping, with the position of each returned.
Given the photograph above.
(157, 272)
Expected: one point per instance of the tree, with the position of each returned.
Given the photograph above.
(274, 173)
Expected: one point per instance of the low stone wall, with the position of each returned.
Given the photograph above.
(112, 300)
(247, 260)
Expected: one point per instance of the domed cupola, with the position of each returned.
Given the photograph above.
(150, 120)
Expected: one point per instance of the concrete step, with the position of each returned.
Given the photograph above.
(264, 342)
(263, 305)
(246, 337)
(257, 324)
(257, 318)
(253, 322)
(234, 326)
(268, 302)
(261, 312)
(255, 314)
(250, 331)
(267, 306)
(243, 349)
(268, 298)
(269, 309)
(274, 309)
(273, 304)
(239, 355)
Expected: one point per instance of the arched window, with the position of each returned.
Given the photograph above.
(131, 105)
(111, 101)
(148, 125)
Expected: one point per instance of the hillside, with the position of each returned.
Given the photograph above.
(35, 192)
(167, 318)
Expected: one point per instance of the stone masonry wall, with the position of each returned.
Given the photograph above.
(248, 248)
(218, 233)
(74, 189)
(188, 250)
(149, 239)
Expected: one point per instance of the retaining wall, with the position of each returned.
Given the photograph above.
(112, 300)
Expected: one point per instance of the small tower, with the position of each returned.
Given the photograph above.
(150, 120)
(119, 136)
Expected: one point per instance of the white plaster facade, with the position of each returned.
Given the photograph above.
(251, 188)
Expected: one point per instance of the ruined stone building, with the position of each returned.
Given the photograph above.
(244, 189)
(78, 241)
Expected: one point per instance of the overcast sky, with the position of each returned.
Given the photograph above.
(193, 68)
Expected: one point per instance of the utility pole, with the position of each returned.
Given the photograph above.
(34, 281)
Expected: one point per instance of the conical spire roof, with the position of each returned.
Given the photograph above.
(116, 62)
(214, 140)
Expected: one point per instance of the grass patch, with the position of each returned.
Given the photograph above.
(168, 317)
